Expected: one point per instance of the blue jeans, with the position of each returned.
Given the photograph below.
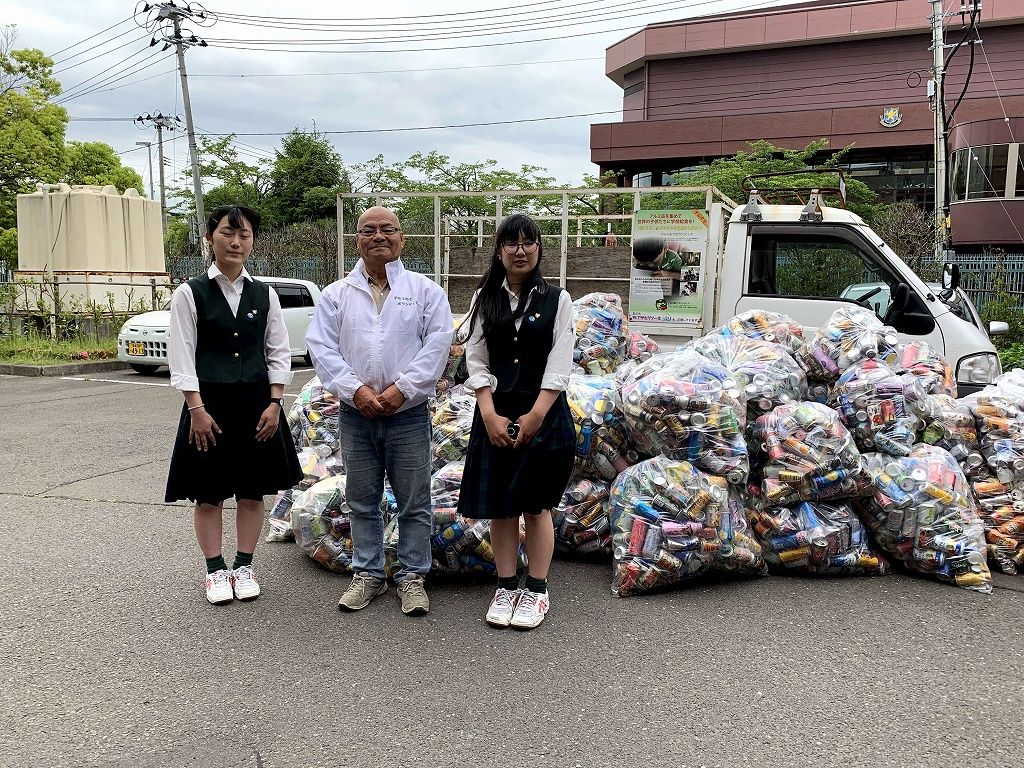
(400, 446)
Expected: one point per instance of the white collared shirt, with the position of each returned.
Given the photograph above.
(556, 372)
(181, 344)
(405, 344)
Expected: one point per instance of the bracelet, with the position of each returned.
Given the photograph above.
(194, 407)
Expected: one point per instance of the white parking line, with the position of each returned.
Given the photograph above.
(147, 383)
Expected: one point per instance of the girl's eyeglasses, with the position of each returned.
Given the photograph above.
(528, 247)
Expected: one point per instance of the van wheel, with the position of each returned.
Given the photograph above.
(146, 370)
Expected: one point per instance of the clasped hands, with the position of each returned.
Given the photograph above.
(372, 404)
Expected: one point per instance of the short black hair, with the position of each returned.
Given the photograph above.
(234, 214)
(648, 248)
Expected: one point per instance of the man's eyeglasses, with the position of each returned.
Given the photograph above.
(528, 247)
(371, 231)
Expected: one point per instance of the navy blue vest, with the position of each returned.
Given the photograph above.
(518, 358)
(230, 348)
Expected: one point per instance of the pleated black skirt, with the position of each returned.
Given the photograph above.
(238, 465)
(500, 483)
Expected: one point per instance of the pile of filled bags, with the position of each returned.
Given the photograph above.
(750, 450)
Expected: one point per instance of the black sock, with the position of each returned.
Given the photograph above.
(536, 585)
(508, 582)
(242, 558)
(215, 564)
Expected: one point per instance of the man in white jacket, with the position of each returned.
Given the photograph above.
(379, 341)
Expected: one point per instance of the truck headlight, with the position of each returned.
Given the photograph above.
(982, 368)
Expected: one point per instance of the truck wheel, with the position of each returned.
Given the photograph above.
(147, 370)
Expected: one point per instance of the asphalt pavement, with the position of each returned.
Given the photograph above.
(110, 655)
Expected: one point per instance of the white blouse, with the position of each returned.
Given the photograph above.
(556, 372)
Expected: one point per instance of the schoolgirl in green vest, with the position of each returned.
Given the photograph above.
(523, 441)
(230, 357)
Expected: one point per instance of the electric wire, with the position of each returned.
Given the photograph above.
(90, 37)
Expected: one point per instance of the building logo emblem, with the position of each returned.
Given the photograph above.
(891, 117)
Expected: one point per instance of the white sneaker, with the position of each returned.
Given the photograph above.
(243, 581)
(218, 587)
(503, 604)
(530, 609)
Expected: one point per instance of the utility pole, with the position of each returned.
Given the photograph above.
(149, 151)
(161, 122)
(164, 19)
(937, 93)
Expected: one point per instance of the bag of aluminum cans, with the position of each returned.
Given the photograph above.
(949, 424)
(320, 521)
(684, 406)
(767, 373)
(878, 407)
(852, 334)
(999, 421)
(600, 333)
(931, 369)
(1001, 508)
(768, 326)
(315, 467)
(313, 418)
(671, 522)
(817, 537)
(451, 419)
(639, 346)
(602, 450)
(922, 512)
(581, 519)
(455, 371)
(808, 455)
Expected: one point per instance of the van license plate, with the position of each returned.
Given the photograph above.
(137, 348)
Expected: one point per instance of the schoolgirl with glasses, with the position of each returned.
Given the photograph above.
(523, 441)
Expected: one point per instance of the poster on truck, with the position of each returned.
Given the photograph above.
(666, 279)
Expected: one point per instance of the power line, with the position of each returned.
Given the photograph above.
(400, 71)
(90, 37)
(93, 48)
(133, 82)
(78, 85)
(132, 69)
(386, 19)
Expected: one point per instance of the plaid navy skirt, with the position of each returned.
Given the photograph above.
(500, 483)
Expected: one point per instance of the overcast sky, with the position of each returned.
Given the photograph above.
(479, 74)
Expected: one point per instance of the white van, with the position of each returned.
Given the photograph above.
(142, 342)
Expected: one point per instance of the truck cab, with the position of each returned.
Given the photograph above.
(808, 260)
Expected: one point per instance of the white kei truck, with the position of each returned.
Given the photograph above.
(807, 260)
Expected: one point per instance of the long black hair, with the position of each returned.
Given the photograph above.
(490, 305)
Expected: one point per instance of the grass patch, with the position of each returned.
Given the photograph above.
(40, 350)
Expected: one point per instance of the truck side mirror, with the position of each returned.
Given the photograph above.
(998, 328)
(950, 276)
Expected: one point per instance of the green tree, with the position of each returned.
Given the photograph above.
(31, 128)
(9, 248)
(236, 182)
(94, 162)
(305, 179)
(727, 174)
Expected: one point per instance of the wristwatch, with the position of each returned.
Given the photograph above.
(278, 401)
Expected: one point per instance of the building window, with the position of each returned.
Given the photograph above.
(1020, 170)
(632, 89)
(959, 175)
(987, 174)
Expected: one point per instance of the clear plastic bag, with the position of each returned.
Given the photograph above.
(922, 512)
(808, 455)
(315, 467)
(602, 447)
(455, 371)
(852, 334)
(878, 407)
(767, 373)
(313, 418)
(320, 521)
(999, 421)
(949, 424)
(451, 419)
(671, 522)
(582, 525)
(601, 332)
(640, 347)
(815, 537)
(932, 370)
(686, 407)
(1001, 508)
(768, 326)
